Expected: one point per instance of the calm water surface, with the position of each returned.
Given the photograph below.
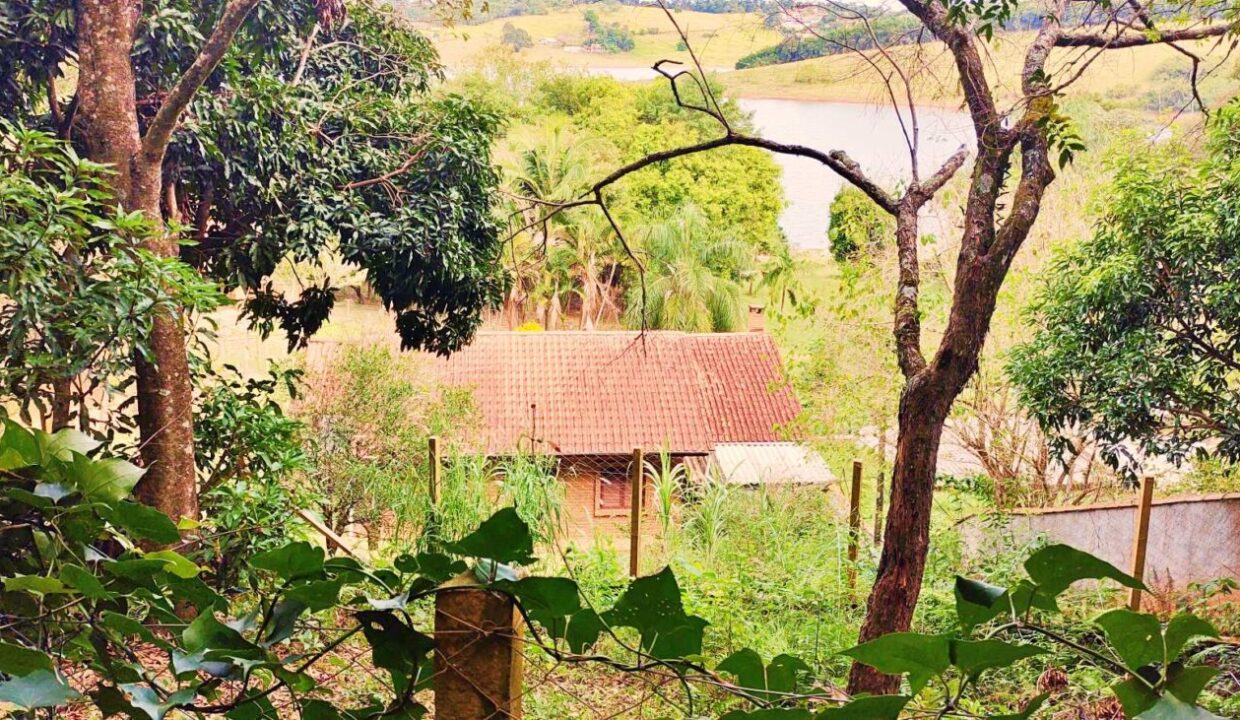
(870, 134)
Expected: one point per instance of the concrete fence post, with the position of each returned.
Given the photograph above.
(478, 664)
(1141, 539)
(637, 477)
(854, 524)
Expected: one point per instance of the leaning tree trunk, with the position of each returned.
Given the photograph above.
(109, 111)
(906, 539)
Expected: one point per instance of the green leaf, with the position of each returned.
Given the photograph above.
(39, 689)
(17, 660)
(653, 607)
(35, 584)
(549, 601)
(978, 602)
(1169, 707)
(768, 682)
(63, 443)
(207, 633)
(1026, 712)
(395, 646)
(126, 626)
(1055, 567)
(108, 480)
(584, 627)
(919, 656)
(18, 447)
(283, 619)
(504, 537)
(295, 560)
(868, 707)
(175, 563)
(1187, 683)
(316, 595)
(144, 698)
(83, 581)
(973, 657)
(1135, 696)
(144, 523)
(1182, 628)
(1136, 637)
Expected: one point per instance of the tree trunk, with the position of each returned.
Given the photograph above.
(62, 403)
(109, 111)
(923, 410)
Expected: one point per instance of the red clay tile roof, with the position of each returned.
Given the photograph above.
(578, 393)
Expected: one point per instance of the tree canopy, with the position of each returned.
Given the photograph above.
(318, 136)
(1137, 329)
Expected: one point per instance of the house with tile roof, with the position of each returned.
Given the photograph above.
(590, 398)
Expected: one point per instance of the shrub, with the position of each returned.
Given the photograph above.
(858, 226)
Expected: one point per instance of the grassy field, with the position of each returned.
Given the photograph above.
(719, 39)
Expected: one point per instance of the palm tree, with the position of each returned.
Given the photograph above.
(691, 277)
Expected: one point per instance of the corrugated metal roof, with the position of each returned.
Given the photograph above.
(770, 463)
(608, 392)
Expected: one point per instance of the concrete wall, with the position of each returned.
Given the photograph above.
(1192, 539)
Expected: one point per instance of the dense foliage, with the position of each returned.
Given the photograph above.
(858, 227)
(608, 37)
(316, 137)
(1135, 330)
(90, 595)
(565, 126)
(77, 290)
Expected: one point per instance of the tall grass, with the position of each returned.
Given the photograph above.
(668, 480)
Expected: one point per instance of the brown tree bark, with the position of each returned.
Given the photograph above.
(108, 109)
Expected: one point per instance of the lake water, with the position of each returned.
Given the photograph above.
(870, 134)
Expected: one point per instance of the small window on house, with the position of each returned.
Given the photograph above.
(613, 494)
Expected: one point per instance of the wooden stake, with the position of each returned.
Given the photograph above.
(854, 524)
(436, 465)
(478, 659)
(878, 509)
(636, 477)
(1141, 539)
(332, 538)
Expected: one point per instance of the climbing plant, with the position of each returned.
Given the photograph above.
(97, 585)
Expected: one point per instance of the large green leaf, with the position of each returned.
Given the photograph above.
(394, 646)
(83, 581)
(978, 602)
(1055, 567)
(769, 714)
(1182, 628)
(292, 561)
(175, 563)
(768, 682)
(549, 601)
(868, 707)
(107, 480)
(39, 689)
(504, 537)
(919, 656)
(17, 660)
(63, 443)
(1187, 683)
(1136, 637)
(653, 607)
(143, 523)
(35, 584)
(144, 699)
(18, 447)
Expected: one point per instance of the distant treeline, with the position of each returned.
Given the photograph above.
(834, 36)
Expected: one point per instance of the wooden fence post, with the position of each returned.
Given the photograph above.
(436, 465)
(1140, 539)
(478, 663)
(878, 509)
(854, 524)
(637, 480)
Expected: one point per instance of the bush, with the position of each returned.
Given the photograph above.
(858, 226)
(368, 413)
